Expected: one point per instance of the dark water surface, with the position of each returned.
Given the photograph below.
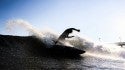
(23, 53)
(49, 62)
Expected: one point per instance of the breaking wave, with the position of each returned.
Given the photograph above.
(80, 42)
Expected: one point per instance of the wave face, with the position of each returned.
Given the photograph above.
(49, 37)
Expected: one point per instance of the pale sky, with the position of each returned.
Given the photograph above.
(103, 19)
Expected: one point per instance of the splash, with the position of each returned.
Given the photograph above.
(11, 24)
(80, 42)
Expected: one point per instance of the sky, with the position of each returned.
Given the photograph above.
(104, 19)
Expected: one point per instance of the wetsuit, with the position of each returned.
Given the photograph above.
(65, 34)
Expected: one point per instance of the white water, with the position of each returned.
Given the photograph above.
(102, 50)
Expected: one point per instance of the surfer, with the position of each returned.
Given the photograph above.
(65, 34)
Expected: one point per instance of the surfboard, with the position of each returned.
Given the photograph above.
(65, 50)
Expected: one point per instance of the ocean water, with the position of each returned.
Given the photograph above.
(85, 62)
(98, 56)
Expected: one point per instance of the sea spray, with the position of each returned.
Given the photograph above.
(43, 36)
(25, 25)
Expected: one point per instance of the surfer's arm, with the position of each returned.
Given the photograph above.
(70, 36)
(77, 30)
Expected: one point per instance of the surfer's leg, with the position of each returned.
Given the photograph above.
(56, 42)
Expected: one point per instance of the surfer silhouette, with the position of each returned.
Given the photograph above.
(65, 34)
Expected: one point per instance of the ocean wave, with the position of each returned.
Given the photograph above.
(49, 38)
